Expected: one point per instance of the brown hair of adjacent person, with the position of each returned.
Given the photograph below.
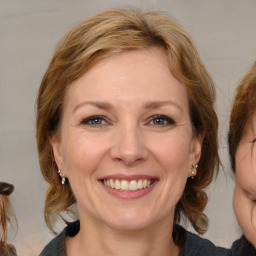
(244, 107)
(7, 217)
(103, 35)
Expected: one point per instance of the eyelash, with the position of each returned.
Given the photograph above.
(91, 119)
(162, 120)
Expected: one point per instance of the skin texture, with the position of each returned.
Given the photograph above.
(245, 188)
(126, 92)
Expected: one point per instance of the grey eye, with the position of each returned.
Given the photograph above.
(161, 120)
(94, 121)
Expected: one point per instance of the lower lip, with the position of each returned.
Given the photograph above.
(130, 194)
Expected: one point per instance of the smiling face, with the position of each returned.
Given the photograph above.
(126, 142)
(244, 200)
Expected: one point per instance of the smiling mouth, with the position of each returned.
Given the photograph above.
(128, 185)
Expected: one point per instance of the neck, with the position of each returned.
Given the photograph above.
(97, 239)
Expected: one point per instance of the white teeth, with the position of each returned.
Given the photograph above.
(125, 185)
(117, 184)
(112, 184)
(133, 185)
(140, 185)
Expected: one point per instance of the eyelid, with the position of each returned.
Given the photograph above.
(161, 116)
(85, 121)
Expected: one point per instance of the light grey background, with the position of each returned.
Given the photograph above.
(224, 32)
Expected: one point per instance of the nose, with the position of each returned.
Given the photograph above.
(129, 146)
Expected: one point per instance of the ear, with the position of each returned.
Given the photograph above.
(57, 151)
(196, 149)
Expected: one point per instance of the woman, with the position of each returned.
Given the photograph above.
(242, 138)
(126, 130)
(7, 216)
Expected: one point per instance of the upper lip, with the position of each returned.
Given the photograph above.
(128, 177)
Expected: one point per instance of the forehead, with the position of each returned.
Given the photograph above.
(137, 73)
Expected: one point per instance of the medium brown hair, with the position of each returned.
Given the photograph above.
(102, 35)
(244, 107)
(7, 218)
(4, 216)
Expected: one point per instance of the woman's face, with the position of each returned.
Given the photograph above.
(244, 200)
(126, 142)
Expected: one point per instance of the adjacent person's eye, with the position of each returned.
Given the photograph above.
(161, 120)
(254, 140)
(94, 121)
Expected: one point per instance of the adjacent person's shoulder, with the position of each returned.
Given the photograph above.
(198, 246)
(242, 247)
(56, 246)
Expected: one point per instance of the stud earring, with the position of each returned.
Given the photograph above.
(195, 166)
(194, 171)
(63, 180)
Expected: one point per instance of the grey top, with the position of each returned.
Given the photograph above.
(242, 247)
(193, 245)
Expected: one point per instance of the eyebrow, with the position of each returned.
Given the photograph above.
(101, 105)
(107, 106)
(157, 104)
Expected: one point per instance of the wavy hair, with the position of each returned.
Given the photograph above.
(7, 218)
(98, 37)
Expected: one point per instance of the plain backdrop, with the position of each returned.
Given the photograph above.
(224, 33)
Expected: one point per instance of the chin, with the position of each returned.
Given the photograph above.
(129, 226)
(129, 221)
(251, 237)
(248, 230)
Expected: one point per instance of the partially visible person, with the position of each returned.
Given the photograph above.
(7, 217)
(242, 149)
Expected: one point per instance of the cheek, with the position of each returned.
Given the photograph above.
(244, 207)
(82, 154)
(245, 211)
(246, 168)
(246, 177)
(241, 208)
(172, 152)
